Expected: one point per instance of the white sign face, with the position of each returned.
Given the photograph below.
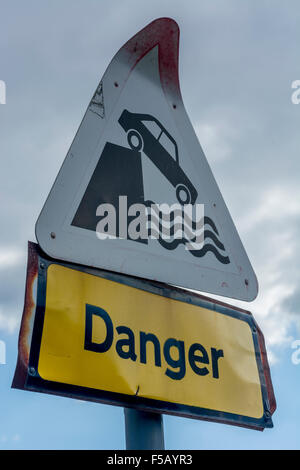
(135, 193)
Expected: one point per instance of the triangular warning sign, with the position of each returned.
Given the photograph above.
(135, 193)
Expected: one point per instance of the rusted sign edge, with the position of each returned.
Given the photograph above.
(25, 333)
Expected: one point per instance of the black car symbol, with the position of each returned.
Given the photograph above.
(145, 133)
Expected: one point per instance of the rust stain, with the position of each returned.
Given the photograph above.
(267, 372)
(163, 32)
(27, 318)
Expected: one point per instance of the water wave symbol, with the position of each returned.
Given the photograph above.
(173, 233)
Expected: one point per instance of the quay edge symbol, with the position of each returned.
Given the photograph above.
(136, 140)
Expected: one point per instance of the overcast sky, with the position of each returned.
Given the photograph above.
(238, 59)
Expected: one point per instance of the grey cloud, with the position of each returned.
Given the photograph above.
(237, 63)
(292, 304)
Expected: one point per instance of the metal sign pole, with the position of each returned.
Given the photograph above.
(143, 430)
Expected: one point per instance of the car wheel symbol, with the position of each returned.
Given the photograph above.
(135, 140)
(183, 194)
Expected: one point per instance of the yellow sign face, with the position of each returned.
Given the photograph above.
(108, 336)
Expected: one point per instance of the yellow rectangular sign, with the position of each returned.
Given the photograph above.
(139, 344)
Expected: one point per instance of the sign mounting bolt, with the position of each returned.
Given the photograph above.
(31, 371)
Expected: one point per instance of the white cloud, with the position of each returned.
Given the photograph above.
(10, 257)
(276, 204)
(9, 320)
(271, 229)
(215, 139)
(271, 238)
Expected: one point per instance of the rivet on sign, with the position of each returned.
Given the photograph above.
(214, 204)
(116, 84)
(246, 282)
(52, 235)
(174, 106)
(31, 371)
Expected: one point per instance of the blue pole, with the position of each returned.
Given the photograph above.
(143, 430)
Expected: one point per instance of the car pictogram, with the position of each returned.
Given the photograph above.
(145, 133)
